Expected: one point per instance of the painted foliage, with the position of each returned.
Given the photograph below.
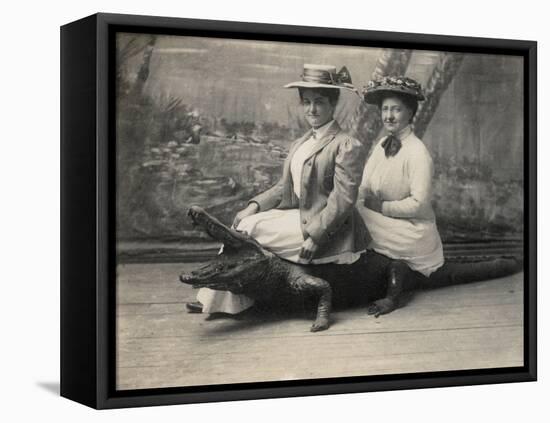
(207, 122)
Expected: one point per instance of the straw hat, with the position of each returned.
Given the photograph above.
(323, 76)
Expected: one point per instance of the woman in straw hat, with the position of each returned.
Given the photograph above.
(309, 215)
(395, 193)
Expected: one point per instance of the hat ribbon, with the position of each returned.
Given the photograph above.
(326, 77)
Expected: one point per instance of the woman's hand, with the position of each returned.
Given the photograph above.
(251, 209)
(373, 202)
(308, 250)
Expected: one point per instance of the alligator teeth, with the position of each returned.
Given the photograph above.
(185, 278)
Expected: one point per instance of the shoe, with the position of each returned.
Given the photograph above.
(194, 307)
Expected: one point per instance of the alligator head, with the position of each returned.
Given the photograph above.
(241, 264)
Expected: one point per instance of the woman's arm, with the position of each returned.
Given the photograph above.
(262, 202)
(270, 198)
(249, 210)
(420, 170)
(348, 170)
(273, 196)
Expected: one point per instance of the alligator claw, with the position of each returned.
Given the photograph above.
(319, 325)
(382, 306)
(373, 310)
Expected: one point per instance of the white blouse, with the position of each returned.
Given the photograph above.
(406, 228)
(302, 153)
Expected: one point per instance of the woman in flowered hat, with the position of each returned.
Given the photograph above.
(396, 190)
(309, 216)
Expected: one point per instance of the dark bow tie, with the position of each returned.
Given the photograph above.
(391, 145)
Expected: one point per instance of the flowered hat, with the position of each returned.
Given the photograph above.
(323, 76)
(380, 88)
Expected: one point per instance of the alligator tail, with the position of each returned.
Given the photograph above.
(461, 270)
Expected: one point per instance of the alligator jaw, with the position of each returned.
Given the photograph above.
(221, 232)
(242, 265)
(232, 276)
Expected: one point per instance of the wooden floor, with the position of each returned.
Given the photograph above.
(471, 326)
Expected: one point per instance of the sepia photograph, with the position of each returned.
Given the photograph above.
(297, 211)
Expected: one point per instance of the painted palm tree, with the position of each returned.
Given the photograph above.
(143, 72)
(127, 48)
(442, 75)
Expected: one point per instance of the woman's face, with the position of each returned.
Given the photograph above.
(395, 114)
(317, 108)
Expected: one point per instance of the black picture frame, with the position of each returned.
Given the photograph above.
(88, 219)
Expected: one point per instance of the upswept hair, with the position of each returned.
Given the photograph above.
(332, 94)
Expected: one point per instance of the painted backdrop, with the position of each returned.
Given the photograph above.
(206, 121)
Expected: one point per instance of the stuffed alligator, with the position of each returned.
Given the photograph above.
(245, 267)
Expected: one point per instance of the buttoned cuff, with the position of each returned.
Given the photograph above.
(254, 202)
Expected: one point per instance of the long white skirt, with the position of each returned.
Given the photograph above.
(416, 242)
(280, 232)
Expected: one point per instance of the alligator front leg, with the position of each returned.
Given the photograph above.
(305, 283)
